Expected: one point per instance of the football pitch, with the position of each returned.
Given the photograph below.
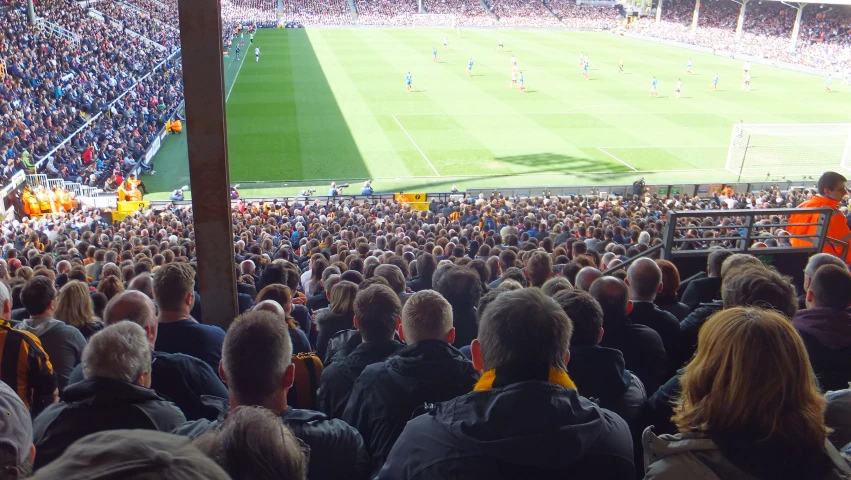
(329, 104)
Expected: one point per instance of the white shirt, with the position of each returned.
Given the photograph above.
(257, 51)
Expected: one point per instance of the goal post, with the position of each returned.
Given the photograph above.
(434, 20)
(788, 149)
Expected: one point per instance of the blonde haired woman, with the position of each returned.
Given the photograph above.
(749, 407)
(74, 307)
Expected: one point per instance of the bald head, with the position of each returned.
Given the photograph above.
(586, 277)
(247, 267)
(143, 283)
(644, 278)
(270, 306)
(135, 307)
(613, 295)
(64, 266)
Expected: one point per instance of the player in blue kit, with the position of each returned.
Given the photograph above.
(653, 85)
(688, 67)
(827, 83)
(714, 85)
(469, 67)
(433, 54)
(408, 79)
(520, 82)
(585, 71)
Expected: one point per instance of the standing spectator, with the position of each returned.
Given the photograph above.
(644, 279)
(666, 299)
(337, 317)
(705, 290)
(63, 343)
(116, 394)
(825, 326)
(260, 339)
(74, 307)
(524, 410)
(642, 348)
(749, 407)
(831, 190)
(178, 332)
(377, 312)
(462, 288)
(429, 370)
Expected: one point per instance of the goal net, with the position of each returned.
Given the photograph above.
(434, 20)
(762, 150)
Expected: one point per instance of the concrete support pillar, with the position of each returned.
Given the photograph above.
(30, 13)
(200, 35)
(642, 8)
(793, 44)
(420, 5)
(659, 11)
(741, 22)
(694, 18)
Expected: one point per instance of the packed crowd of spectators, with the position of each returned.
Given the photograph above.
(520, 13)
(318, 12)
(262, 13)
(467, 12)
(165, 11)
(584, 16)
(824, 40)
(386, 12)
(449, 340)
(141, 24)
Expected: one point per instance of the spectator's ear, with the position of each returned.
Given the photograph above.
(399, 329)
(222, 373)
(661, 286)
(629, 306)
(355, 323)
(450, 336)
(289, 377)
(600, 336)
(567, 358)
(810, 296)
(476, 351)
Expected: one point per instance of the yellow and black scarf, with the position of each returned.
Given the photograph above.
(509, 374)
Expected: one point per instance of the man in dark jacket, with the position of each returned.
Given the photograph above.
(429, 370)
(708, 289)
(644, 279)
(113, 396)
(257, 367)
(175, 376)
(642, 348)
(813, 264)
(377, 312)
(825, 326)
(525, 418)
(462, 288)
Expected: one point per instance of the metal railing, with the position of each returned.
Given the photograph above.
(57, 30)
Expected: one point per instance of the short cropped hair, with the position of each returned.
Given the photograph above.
(585, 314)
(751, 286)
(555, 285)
(377, 309)
(543, 338)
(120, 351)
(830, 180)
(172, 283)
(393, 275)
(37, 295)
(460, 286)
(539, 266)
(426, 316)
(831, 287)
(255, 355)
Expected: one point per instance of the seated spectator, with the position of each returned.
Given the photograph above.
(539, 268)
(17, 451)
(395, 278)
(180, 378)
(178, 332)
(63, 343)
(74, 307)
(813, 264)
(32, 373)
(462, 288)
(524, 409)
(749, 407)
(337, 317)
(132, 455)
(586, 277)
(708, 289)
(377, 312)
(666, 299)
(644, 279)
(322, 298)
(426, 265)
(260, 338)
(642, 348)
(299, 339)
(115, 394)
(252, 444)
(837, 416)
(428, 370)
(825, 326)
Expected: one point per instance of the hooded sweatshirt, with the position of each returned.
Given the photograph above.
(63, 344)
(599, 374)
(827, 335)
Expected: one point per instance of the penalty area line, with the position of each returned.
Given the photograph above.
(416, 146)
(618, 159)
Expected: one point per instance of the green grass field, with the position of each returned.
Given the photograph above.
(330, 104)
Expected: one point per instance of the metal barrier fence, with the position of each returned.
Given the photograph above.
(57, 30)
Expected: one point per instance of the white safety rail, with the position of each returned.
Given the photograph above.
(130, 6)
(59, 31)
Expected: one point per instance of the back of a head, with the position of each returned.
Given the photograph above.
(586, 277)
(612, 294)
(670, 278)
(752, 371)
(426, 316)
(343, 298)
(738, 260)
(821, 259)
(119, 352)
(539, 266)
(132, 455)
(253, 444)
(644, 278)
(585, 314)
(716, 260)
(143, 283)
(761, 287)
(543, 340)
(256, 339)
(393, 275)
(130, 305)
(173, 283)
(555, 285)
(460, 286)
(831, 287)
(37, 295)
(277, 292)
(270, 306)
(377, 310)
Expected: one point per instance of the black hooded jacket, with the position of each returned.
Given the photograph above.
(526, 430)
(600, 375)
(388, 394)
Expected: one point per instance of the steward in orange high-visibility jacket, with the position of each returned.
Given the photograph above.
(831, 188)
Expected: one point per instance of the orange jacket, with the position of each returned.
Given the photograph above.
(837, 228)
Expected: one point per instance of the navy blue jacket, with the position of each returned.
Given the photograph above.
(529, 429)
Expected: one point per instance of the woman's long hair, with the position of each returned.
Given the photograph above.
(281, 294)
(74, 304)
(751, 370)
(343, 298)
